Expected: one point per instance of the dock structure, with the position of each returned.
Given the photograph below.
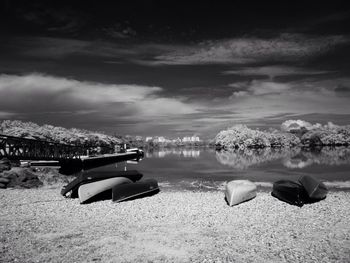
(70, 157)
(92, 162)
(17, 148)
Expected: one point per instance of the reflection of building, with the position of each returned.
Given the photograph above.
(161, 139)
(191, 153)
(161, 153)
(191, 139)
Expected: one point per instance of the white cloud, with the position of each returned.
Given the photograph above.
(261, 98)
(36, 92)
(237, 94)
(4, 114)
(258, 88)
(165, 107)
(89, 92)
(295, 124)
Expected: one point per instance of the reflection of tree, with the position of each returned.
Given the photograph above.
(329, 156)
(242, 159)
(291, 157)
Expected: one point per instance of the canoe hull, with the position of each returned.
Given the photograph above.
(239, 191)
(315, 189)
(89, 190)
(290, 192)
(140, 189)
(71, 189)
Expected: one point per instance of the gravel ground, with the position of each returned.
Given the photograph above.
(39, 225)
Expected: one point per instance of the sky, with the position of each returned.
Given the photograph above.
(173, 68)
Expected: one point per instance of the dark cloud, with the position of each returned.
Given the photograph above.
(342, 90)
(174, 20)
(156, 67)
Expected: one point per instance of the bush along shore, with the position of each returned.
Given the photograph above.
(293, 133)
(14, 176)
(51, 133)
(80, 137)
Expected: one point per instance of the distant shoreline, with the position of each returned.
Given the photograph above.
(293, 133)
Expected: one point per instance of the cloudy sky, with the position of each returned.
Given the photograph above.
(170, 68)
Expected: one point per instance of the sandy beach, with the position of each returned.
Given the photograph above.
(39, 225)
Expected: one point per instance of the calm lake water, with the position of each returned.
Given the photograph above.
(207, 169)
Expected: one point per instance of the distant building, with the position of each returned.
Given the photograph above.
(160, 139)
(195, 139)
(186, 139)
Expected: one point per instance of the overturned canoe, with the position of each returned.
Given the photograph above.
(290, 192)
(315, 189)
(239, 191)
(89, 190)
(71, 189)
(135, 190)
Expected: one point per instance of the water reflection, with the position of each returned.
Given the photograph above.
(299, 161)
(161, 153)
(295, 158)
(326, 156)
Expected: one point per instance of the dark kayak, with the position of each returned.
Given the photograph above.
(315, 189)
(71, 189)
(290, 192)
(131, 191)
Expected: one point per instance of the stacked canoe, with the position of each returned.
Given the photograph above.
(118, 186)
(306, 190)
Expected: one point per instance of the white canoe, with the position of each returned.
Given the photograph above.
(89, 190)
(239, 191)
